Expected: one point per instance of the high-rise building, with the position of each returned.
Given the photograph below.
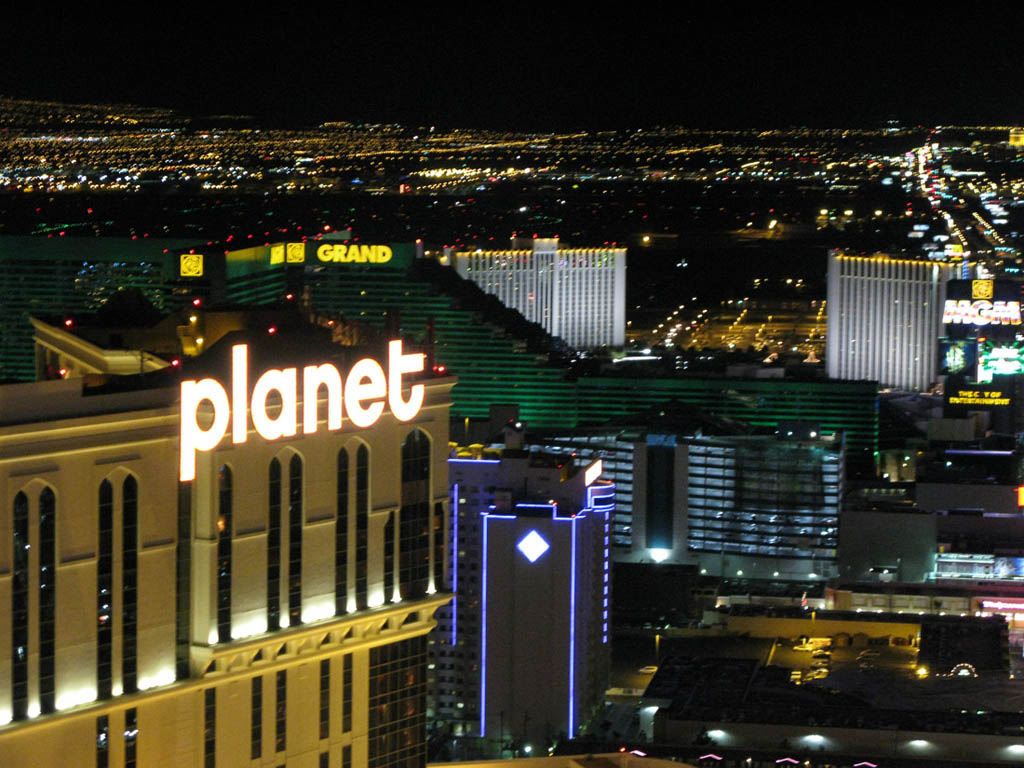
(765, 506)
(40, 275)
(760, 505)
(522, 654)
(884, 319)
(387, 287)
(222, 562)
(577, 294)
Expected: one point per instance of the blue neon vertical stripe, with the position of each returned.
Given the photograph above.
(455, 562)
(572, 633)
(483, 639)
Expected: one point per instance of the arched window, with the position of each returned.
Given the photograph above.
(438, 526)
(389, 558)
(274, 548)
(19, 609)
(129, 584)
(105, 593)
(414, 541)
(362, 521)
(341, 537)
(224, 532)
(295, 540)
(47, 600)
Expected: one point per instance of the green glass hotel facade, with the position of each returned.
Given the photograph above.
(498, 357)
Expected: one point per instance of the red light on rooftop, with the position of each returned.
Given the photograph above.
(272, 329)
(289, 296)
(68, 322)
(175, 362)
(196, 302)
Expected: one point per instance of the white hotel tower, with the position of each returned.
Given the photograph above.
(884, 319)
(577, 294)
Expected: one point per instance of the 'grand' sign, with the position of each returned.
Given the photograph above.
(363, 392)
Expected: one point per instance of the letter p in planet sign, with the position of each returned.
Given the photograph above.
(365, 390)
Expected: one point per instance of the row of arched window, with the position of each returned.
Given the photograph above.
(34, 574)
(285, 530)
(40, 577)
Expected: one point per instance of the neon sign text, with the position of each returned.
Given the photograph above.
(363, 254)
(982, 312)
(362, 392)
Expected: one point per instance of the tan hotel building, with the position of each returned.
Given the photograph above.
(271, 612)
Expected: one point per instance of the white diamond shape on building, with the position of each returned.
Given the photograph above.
(532, 545)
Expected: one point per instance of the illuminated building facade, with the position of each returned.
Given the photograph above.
(38, 275)
(577, 294)
(273, 610)
(766, 506)
(491, 368)
(884, 319)
(522, 653)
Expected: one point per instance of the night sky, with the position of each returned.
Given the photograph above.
(521, 67)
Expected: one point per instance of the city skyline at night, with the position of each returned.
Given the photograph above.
(406, 384)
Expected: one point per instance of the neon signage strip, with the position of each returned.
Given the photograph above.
(483, 639)
(455, 562)
(363, 254)
(572, 635)
(572, 615)
(483, 625)
(365, 389)
(1003, 605)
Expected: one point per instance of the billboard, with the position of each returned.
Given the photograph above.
(976, 308)
(333, 253)
(1007, 568)
(999, 358)
(957, 357)
(971, 398)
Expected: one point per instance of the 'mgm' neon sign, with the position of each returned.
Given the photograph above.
(982, 312)
(363, 393)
